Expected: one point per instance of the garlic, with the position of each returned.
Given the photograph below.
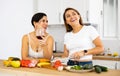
(60, 68)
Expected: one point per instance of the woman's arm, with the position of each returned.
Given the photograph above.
(48, 48)
(96, 50)
(66, 53)
(98, 47)
(24, 49)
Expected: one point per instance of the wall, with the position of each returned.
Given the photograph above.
(114, 45)
(15, 20)
(57, 31)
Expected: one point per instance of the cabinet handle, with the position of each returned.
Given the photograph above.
(116, 65)
(87, 14)
(59, 17)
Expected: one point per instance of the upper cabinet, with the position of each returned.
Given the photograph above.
(80, 5)
(55, 8)
(110, 11)
(103, 13)
(52, 8)
(96, 14)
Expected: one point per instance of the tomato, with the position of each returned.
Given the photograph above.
(57, 64)
(25, 63)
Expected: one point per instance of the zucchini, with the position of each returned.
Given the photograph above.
(103, 68)
(98, 69)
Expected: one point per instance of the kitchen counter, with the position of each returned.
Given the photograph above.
(106, 58)
(95, 57)
(10, 71)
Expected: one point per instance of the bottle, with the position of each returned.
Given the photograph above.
(55, 47)
(109, 52)
(105, 52)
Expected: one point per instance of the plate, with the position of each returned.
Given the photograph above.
(79, 71)
(72, 70)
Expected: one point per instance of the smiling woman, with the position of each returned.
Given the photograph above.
(80, 41)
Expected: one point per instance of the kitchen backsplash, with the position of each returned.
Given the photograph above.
(58, 31)
(113, 45)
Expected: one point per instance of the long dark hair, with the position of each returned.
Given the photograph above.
(36, 17)
(68, 27)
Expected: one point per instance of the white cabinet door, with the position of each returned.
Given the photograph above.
(109, 64)
(52, 8)
(118, 65)
(96, 14)
(110, 19)
(95, 11)
(80, 5)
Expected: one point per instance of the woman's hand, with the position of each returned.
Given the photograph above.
(77, 55)
(42, 43)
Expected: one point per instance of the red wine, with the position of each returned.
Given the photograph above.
(39, 37)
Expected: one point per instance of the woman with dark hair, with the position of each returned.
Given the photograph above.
(80, 41)
(35, 47)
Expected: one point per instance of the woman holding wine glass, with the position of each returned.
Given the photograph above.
(38, 43)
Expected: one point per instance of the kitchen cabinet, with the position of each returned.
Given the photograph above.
(80, 5)
(55, 8)
(96, 14)
(52, 8)
(106, 14)
(108, 63)
(118, 65)
(110, 24)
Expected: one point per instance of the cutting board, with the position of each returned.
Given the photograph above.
(49, 67)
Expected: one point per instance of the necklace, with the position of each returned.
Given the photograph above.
(38, 49)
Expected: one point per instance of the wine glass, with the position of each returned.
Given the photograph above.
(40, 33)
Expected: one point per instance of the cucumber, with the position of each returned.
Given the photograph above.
(98, 69)
(103, 68)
